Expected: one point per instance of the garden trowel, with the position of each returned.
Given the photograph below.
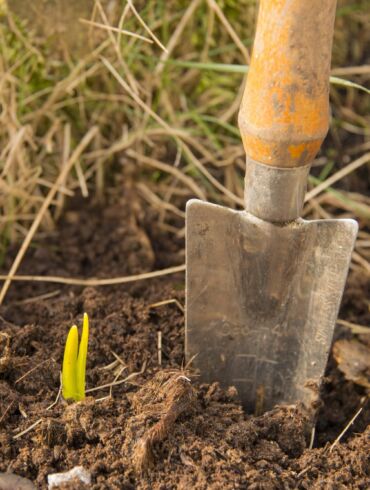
(263, 285)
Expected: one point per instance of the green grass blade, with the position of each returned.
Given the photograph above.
(326, 171)
(347, 83)
(202, 123)
(69, 387)
(81, 359)
(229, 127)
(227, 68)
(356, 207)
(222, 67)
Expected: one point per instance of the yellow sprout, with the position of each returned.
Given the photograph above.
(74, 363)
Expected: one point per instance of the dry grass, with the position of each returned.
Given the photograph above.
(176, 124)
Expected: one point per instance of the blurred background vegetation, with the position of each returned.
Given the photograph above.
(145, 75)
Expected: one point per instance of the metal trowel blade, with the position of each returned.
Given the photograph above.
(262, 301)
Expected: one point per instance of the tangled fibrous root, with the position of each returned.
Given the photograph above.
(169, 395)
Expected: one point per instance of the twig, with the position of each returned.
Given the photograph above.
(159, 348)
(213, 180)
(57, 397)
(355, 328)
(116, 383)
(168, 302)
(229, 29)
(45, 205)
(152, 198)
(35, 424)
(338, 176)
(165, 202)
(35, 299)
(22, 411)
(190, 361)
(176, 35)
(360, 260)
(346, 428)
(312, 439)
(115, 379)
(351, 70)
(6, 411)
(67, 84)
(33, 369)
(148, 30)
(301, 473)
(15, 143)
(81, 180)
(95, 281)
(121, 21)
(118, 359)
(171, 170)
(134, 96)
(114, 42)
(115, 29)
(66, 150)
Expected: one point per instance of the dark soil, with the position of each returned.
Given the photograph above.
(160, 429)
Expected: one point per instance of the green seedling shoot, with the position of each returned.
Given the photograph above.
(74, 363)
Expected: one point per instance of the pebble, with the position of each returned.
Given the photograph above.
(56, 479)
(10, 481)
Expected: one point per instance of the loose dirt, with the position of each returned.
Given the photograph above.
(158, 429)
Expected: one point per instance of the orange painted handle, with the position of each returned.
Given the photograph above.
(284, 116)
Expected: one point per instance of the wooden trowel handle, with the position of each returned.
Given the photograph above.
(284, 115)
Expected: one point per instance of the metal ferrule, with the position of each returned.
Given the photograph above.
(274, 194)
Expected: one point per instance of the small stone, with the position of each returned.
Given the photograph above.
(57, 479)
(10, 481)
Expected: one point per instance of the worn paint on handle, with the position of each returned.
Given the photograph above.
(284, 116)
